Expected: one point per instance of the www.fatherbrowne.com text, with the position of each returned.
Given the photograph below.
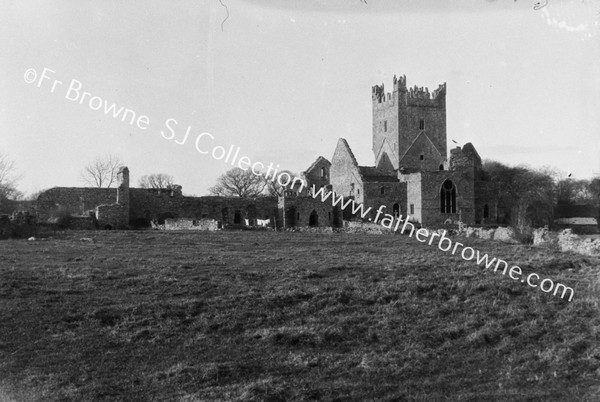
(444, 243)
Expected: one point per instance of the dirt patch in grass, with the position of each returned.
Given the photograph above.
(255, 316)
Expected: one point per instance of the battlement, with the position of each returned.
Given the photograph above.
(415, 96)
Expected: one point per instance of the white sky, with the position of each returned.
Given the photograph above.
(285, 79)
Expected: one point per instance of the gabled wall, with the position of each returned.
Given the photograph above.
(345, 172)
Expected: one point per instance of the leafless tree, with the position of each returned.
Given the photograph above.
(102, 171)
(595, 190)
(239, 183)
(8, 178)
(276, 189)
(528, 195)
(156, 180)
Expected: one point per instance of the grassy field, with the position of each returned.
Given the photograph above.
(260, 316)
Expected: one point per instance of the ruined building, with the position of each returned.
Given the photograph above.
(412, 174)
(125, 207)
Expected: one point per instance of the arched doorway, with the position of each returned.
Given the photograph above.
(290, 217)
(237, 217)
(251, 214)
(225, 215)
(313, 219)
(396, 209)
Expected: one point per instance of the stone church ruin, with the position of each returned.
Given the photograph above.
(412, 175)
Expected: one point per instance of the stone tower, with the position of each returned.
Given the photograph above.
(409, 127)
(123, 186)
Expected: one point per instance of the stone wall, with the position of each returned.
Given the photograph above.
(113, 216)
(74, 200)
(397, 117)
(345, 173)
(297, 211)
(423, 155)
(566, 240)
(413, 196)
(150, 205)
(431, 185)
(314, 174)
(394, 193)
(191, 224)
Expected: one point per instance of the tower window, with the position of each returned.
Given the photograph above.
(448, 197)
(422, 124)
(385, 125)
(323, 172)
(382, 190)
(441, 167)
(412, 209)
(422, 157)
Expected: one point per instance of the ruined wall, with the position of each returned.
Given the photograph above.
(113, 216)
(485, 202)
(191, 224)
(465, 197)
(346, 179)
(297, 211)
(394, 193)
(315, 174)
(413, 196)
(153, 205)
(75, 200)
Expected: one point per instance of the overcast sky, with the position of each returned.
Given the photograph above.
(283, 80)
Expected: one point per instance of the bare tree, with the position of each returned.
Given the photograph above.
(527, 195)
(8, 178)
(276, 189)
(595, 190)
(239, 183)
(102, 171)
(571, 191)
(157, 180)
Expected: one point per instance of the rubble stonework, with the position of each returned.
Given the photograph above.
(567, 241)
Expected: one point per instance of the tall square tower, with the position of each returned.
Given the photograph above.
(409, 127)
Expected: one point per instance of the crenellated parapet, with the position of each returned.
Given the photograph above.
(415, 96)
(420, 96)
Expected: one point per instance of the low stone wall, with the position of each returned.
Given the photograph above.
(191, 224)
(503, 234)
(566, 240)
(364, 227)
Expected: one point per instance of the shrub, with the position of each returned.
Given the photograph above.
(523, 233)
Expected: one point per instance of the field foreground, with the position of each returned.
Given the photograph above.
(261, 316)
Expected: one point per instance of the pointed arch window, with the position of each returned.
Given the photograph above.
(448, 197)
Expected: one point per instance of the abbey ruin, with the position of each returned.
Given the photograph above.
(411, 175)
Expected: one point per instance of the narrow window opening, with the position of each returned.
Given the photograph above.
(422, 124)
